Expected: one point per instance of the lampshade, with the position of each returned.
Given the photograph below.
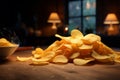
(54, 18)
(111, 19)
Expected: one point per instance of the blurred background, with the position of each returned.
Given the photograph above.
(31, 21)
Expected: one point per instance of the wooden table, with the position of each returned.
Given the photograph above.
(11, 69)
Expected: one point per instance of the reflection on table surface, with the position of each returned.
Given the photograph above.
(11, 69)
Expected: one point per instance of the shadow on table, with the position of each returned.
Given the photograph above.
(4, 61)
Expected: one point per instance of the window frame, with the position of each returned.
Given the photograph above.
(81, 26)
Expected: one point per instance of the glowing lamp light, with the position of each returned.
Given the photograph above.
(111, 19)
(54, 18)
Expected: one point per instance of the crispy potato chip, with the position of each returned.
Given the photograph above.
(62, 37)
(65, 49)
(39, 50)
(5, 42)
(60, 59)
(74, 55)
(86, 47)
(117, 57)
(78, 61)
(23, 58)
(68, 46)
(102, 58)
(75, 37)
(77, 41)
(85, 50)
(39, 63)
(40, 60)
(38, 53)
(91, 38)
(48, 56)
(76, 34)
(103, 49)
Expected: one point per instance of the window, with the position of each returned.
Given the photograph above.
(82, 15)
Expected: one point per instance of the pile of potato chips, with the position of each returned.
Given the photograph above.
(76, 48)
(5, 43)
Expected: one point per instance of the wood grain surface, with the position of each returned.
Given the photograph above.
(11, 69)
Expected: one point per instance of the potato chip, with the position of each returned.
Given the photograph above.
(76, 34)
(78, 61)
(75, 37)
(38, 53)
(39, 63)
(5, 42)
(86, 47)
(39, 50)
(74, 55)
(23, 58)
(48, 56)
(103, 49)
(75, 47)
(62, 37)
(68, 46)
(40, 60)
(77, 41)
(85, 50)
(102, 58)
(66, 49)
(91, 38)
(117, 57)
(60, 59)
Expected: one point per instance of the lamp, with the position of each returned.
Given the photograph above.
(54, 18)
(111, 19)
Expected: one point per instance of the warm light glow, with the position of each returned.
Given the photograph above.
(111, 19)
(66, 28)
(54, 18)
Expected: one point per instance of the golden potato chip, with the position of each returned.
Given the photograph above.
(86, 47)
(91, 38)
(48, 56)
(77, 41)
(85, 50)
(74, 55)
(62, 37)
(75, 37)
(52, 46)
(66, 49)
(5, 42)
(103, 49)
(38, 53)
(102, 58)
(117, 57)
(60, 59)
(75, 33)
(39, 50)
(39, 63)
(23, 58)
(78, 61)
(40, 60)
